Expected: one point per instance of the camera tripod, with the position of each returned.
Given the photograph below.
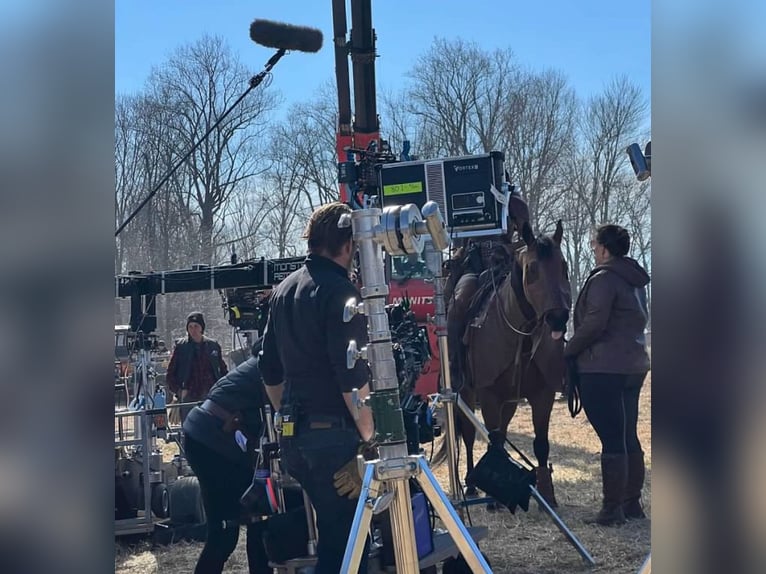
(385, 482)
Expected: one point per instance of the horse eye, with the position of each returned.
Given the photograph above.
(532, 272)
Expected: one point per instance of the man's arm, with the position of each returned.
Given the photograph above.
(598, 307)
(274, 392)
(224, 369)
(269, 362)
(171, 383)
(364, 423)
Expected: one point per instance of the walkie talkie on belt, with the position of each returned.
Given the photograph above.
(285, 421)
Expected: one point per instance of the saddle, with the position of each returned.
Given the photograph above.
(489, 281)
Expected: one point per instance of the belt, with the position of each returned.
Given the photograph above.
(326, 422)
(216, 410)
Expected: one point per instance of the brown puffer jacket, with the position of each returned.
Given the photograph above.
(609, 320)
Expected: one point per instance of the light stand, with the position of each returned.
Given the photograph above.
(434, 264)
(386, 480)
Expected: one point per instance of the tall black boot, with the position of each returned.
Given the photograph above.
(614, 475)
(631, 505)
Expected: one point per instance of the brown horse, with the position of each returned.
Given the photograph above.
(518, 349)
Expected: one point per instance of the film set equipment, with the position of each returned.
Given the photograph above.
(411, 353)
(386, 480)
(641, 161)
(470, 191)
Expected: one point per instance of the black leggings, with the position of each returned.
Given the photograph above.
(611, 403)
(222, 483)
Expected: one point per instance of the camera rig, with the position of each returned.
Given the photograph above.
(240, 284)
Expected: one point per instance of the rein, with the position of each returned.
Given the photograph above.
(525, 307)
(536, 331)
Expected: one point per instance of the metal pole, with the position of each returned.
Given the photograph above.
(395, 467)
(384, 398)
(312, 543)
(273, 463)
(434, 263)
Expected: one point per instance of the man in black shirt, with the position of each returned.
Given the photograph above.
(303, 363)
(223, 469)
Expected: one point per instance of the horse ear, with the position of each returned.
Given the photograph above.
(559, 233)
(527, 235)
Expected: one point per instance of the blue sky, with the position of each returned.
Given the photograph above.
(590, 41)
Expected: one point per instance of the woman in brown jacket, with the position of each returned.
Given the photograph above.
(609, 348)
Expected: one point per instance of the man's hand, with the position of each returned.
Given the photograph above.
(348, 480)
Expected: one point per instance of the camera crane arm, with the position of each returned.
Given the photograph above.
(142, 288)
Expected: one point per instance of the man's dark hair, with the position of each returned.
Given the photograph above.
(322, 231)
(614, 238)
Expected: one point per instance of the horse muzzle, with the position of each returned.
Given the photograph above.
(557, 321)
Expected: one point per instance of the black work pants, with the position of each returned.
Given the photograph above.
(312, 457)
(222, 483)
(611, 403)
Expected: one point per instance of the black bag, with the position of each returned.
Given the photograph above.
(287, 535)
(502, 479)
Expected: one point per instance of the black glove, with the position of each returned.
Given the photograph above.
(348, 480)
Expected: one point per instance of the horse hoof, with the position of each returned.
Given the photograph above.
(493, 507)
(471, 492)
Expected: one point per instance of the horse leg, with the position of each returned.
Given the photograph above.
(468, 432)
(497, 411)
(541, 401)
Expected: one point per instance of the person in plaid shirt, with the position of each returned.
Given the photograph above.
(196, 364)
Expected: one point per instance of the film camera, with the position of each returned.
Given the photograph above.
(470, 190)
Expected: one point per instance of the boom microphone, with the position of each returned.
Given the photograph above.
(285, 36)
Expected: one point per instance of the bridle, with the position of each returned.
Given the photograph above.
(536, 322)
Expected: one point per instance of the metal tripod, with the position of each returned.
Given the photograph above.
(449, 398)
(385, 482)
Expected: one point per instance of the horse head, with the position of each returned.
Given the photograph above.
(545, 278)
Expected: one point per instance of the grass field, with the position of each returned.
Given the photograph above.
(524, 543)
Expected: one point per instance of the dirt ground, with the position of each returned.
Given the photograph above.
(521, 543)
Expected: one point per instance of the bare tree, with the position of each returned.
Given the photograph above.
(540, 127)
(460, 94)
(246, 232)
(309, 139)
(610, 122)
(202, 80)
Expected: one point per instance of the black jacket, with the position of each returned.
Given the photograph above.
(305, 340)
(240, 392)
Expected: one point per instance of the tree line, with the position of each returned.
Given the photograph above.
(251, 185)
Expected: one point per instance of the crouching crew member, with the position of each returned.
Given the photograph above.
(224, 470)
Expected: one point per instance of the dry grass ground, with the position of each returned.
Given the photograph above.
(524, 543)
